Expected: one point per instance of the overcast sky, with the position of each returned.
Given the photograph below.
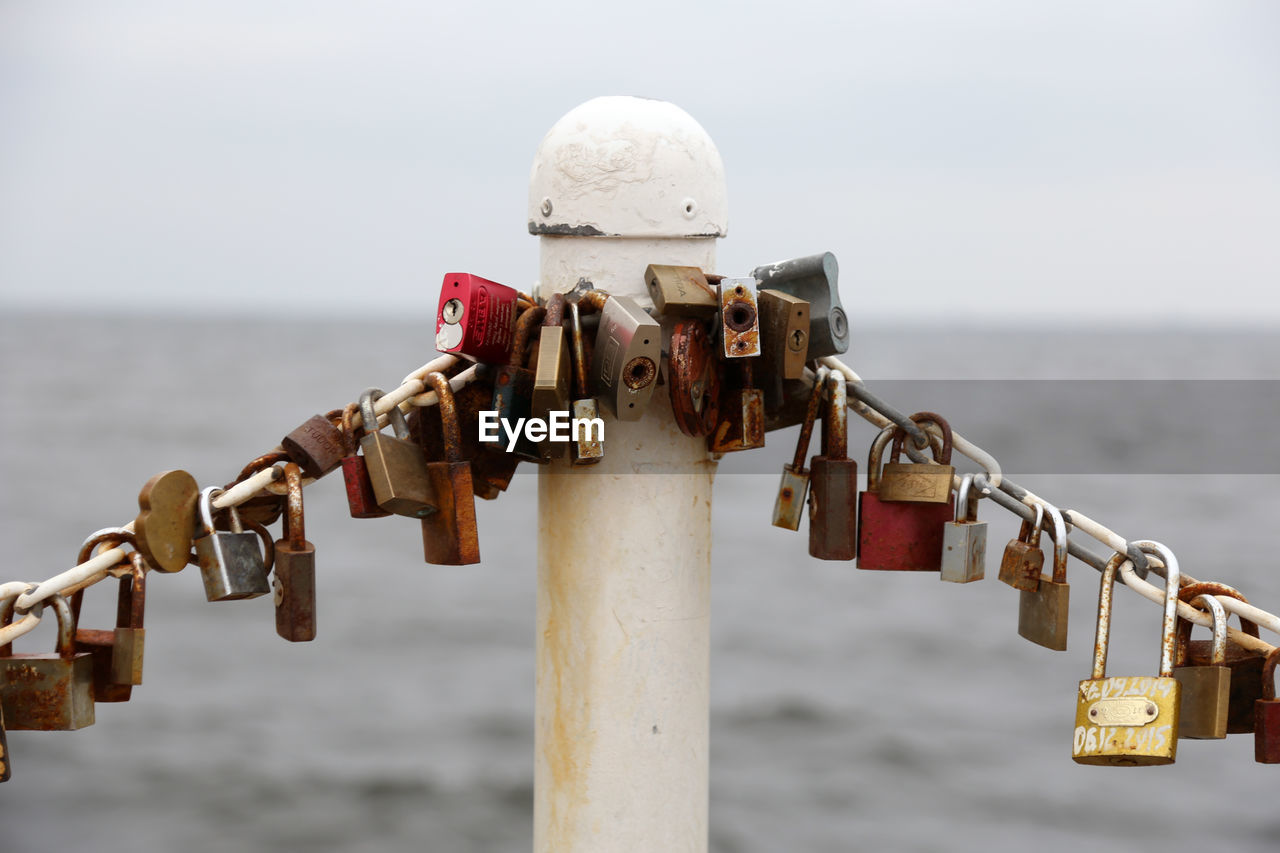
(968, 161)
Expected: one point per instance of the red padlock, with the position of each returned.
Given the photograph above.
(476, 318)
(1266, 715)
(900, 536)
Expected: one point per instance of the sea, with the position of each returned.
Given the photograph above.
(850, 710)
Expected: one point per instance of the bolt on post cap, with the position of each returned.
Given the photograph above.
(620, 166)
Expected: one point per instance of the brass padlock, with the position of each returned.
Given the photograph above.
(294, 586)
(316, 445)
(680, 291)
(551, 377)
(1206, 690)
(361, 502)
(1245, 664)
(48, 692)
(912, 482)
(230, 563)
(794, 487)
(165, 525)
(784, 333)
(833, 483)
(588, 444)
(1042, 612)
(964, 540)
(1022, 560)
(397, 466)
(449, 535)
(1130, 721)
(739, 318)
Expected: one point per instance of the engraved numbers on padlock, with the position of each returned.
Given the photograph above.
(230, 563)
(1143, 732)
(964, 541)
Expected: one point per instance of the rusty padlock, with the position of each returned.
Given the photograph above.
(294, 586)
(6, 766)
(588, 445)
(1266, 720)
(264, 507)
(1206, 690)
(102, 644)
(1245, 664)
(1130, 720)
(449, 535)
(833, 483)
(693, 379)
(741, 411)
(739, 318)
(1042, 612)
(899, 536)
(794, 488)
(47, 692)
(552, 383)
(1023, 560)
(361, 501)
(513, 394)
(316, 445)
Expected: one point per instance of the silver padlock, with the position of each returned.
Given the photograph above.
(624, 363)
(230, 563)
(813, 279)
(964, 541)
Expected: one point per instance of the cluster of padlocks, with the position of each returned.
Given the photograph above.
(741, 358)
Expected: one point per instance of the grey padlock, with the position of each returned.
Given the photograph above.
(814, 279)
(964, 541)
(624, 363)
(230, 562)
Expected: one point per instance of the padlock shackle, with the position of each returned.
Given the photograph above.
(943, 458)
(294, 521)
(131, 597)
(1169, 624)
(1102, 637)
(967, 500)
(875, 457)
(266, 460)
(530, 318)
(1218, 655)
(1269, 675)
(1031, 529)
(580, 387)
(1060, 552)
(810, 416)
(835, 425)
(553, 311)
(450, 432)
(1191, 590)
(98, 537)
(205, 503)
(349, 431)
(369, 417)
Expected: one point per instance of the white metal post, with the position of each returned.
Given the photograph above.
(624, 546)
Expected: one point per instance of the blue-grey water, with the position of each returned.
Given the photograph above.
(850, 710)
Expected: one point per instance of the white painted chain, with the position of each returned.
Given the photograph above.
(1107, 537)
(112, 561)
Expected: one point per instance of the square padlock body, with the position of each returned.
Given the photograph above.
(901, 537)
(485, 330)
(1127, 721)
(47, 692)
